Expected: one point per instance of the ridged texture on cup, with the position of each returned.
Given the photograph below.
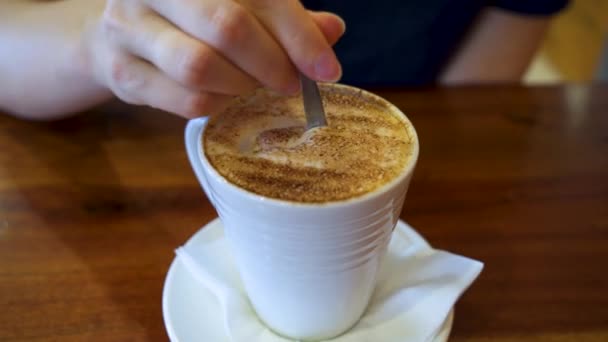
(308, 269)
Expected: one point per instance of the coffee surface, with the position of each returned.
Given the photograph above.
(260, 144)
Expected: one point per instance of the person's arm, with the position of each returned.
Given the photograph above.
(185, 57)
(499, 48)
(41, 74)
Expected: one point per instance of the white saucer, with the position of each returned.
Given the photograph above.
(192, 313)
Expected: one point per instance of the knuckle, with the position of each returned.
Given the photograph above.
(195, 66)
(119, 71)
(230, 23)
(124, 81)
(112, 21)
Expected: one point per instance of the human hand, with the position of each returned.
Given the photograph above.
(190, 57)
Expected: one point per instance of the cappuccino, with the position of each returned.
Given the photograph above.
(260, 144)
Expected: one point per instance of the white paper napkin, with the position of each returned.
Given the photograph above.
(417, 288)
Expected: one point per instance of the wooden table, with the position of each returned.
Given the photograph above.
(91, 209)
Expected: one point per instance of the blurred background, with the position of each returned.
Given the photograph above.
(576, 47)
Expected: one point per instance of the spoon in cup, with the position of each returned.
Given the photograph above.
(313, 105)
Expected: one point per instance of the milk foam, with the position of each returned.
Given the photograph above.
(260, 144)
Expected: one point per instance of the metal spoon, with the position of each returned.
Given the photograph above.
(313, 105)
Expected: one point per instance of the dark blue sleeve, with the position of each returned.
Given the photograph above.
(533, 7)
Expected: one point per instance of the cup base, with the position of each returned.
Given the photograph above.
(328, 337)
(191, 311)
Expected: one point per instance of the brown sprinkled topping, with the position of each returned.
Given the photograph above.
(260, 144)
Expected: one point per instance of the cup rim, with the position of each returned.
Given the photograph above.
(370, 196)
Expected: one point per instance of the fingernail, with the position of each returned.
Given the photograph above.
(327, 67)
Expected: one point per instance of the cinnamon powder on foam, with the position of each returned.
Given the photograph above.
(260, 144)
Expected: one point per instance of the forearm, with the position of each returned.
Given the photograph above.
(499, 48)
(42, 61)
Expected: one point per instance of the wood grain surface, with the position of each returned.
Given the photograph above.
(91, 209)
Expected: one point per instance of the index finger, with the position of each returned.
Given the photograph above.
(294, 28)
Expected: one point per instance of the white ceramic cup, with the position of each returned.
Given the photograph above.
(309, 270)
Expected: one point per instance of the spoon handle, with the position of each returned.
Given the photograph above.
(313, 105)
